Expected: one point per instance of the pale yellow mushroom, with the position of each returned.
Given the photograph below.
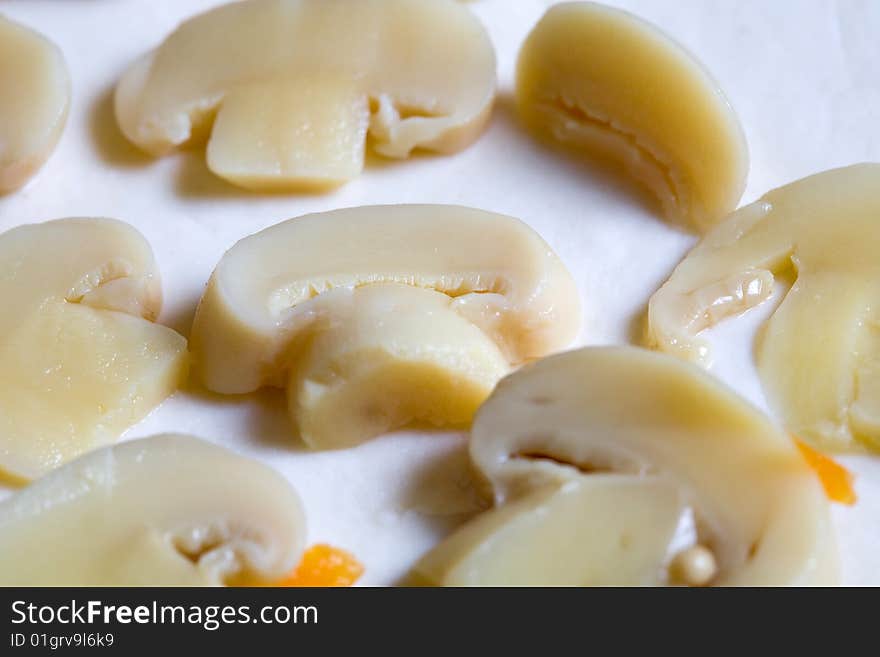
(163, 511)
(622, 466)
(819, 355)
(296, 86)
(612, 85)
(81, 358)
(375, 317)
(34, 99)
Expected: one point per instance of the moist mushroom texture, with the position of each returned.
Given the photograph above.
(81, 358)
(819, 354)
(164, 511)
(296, 86)
(374, 317)
(622, 466)
(34, 98)
(613, 86)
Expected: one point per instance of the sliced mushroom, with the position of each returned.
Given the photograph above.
(163, 511)
(819, 357)
(292, 83)
(605, 530)
(34, 98)
(80, 357)
(377, 316)
(639, 469)
(611, 84)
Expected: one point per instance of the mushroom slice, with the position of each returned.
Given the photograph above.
(377, 316)
(819, 357)
(642, 451)
(80, 357)
(296, 85)
(558, 536)
(163, 511)
(34, 98)
(606, 82)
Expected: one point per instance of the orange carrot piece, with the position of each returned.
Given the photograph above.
(837, 480)
(324, 565)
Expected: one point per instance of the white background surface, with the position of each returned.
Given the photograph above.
(804, 76)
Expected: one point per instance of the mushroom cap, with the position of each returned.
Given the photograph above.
(34, 99)
(70, 259)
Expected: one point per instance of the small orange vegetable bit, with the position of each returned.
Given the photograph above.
(324, 565)
(837, 480)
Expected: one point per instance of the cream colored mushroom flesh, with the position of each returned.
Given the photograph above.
(169, 510)
(615, 87)
(297, 85)
(819, 354)
(81, 357)
(375, 317)
(622, 466)
(34, 99)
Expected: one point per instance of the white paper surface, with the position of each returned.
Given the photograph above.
(803, 75)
